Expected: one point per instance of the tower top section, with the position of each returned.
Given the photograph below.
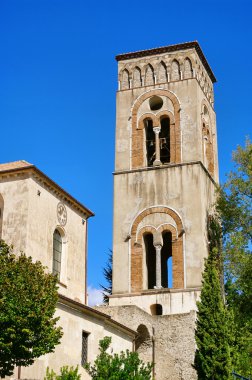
(170, 49)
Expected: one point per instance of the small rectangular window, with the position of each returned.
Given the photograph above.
(84, 349)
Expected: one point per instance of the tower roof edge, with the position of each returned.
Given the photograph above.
(168, 49)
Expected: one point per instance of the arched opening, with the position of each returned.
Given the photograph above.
(149, 76)
(156, 309)
(150, 254)
(125, 83)
(165, 155)
(156, 103)
(166, 260)
(188, 71)
(175, 73)
(1, 214)
(138, 156)
(143, 339)
(150, 142)
(162, 74)
(137, 79)
(57, 253)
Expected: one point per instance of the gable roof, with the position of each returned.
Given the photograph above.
(14, 165)
(22, 166)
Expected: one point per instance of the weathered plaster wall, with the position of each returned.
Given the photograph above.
(172, 301)
(171, 336)
(29, 221)
(187, 189)
(15, 195)
(69, 351)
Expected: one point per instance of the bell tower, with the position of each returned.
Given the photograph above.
(166, 169)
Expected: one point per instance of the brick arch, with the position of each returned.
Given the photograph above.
(138, 159)
(168, 228)
(144, 230)
(166, 113)
(207, 146)
(153, 210)
(137, 252)
(149, 116)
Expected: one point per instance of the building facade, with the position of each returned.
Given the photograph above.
(166, 170)
(48, 224)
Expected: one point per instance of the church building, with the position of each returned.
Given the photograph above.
(166, 171)
(42, 220)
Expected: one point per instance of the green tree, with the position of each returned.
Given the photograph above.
(66, 373)
(28, 297)
(107, 272)
(234, 206)
(123, 366)
(213, 326)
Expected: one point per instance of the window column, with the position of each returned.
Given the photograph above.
(158, 248)
(157, 161)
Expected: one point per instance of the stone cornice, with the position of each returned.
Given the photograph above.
(169, 49)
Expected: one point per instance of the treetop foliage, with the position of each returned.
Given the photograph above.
(28, 297)
(123, 366)
(234, 207)
(66, 373)
(107, 272)
(213, 334)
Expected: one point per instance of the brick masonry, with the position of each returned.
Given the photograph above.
(137, 249)
(138, 128)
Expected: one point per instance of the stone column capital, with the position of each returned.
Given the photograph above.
(157, 130)
(158, 246)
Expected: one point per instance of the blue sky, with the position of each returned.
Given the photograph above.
(59, 80)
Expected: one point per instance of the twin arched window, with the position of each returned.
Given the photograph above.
(158, 150)
(165, 262)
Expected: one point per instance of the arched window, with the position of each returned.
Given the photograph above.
(162, 74)
(125, 85)
(188, 72)
(143, 339)
(175, 74)
(149, 76)
(1, 214)
(156, 309)
(164, 136)
(166, 260)
(150, 254)
(150, 142)
(137, 79)
(57, 253)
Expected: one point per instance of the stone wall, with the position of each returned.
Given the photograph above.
(168, 340)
